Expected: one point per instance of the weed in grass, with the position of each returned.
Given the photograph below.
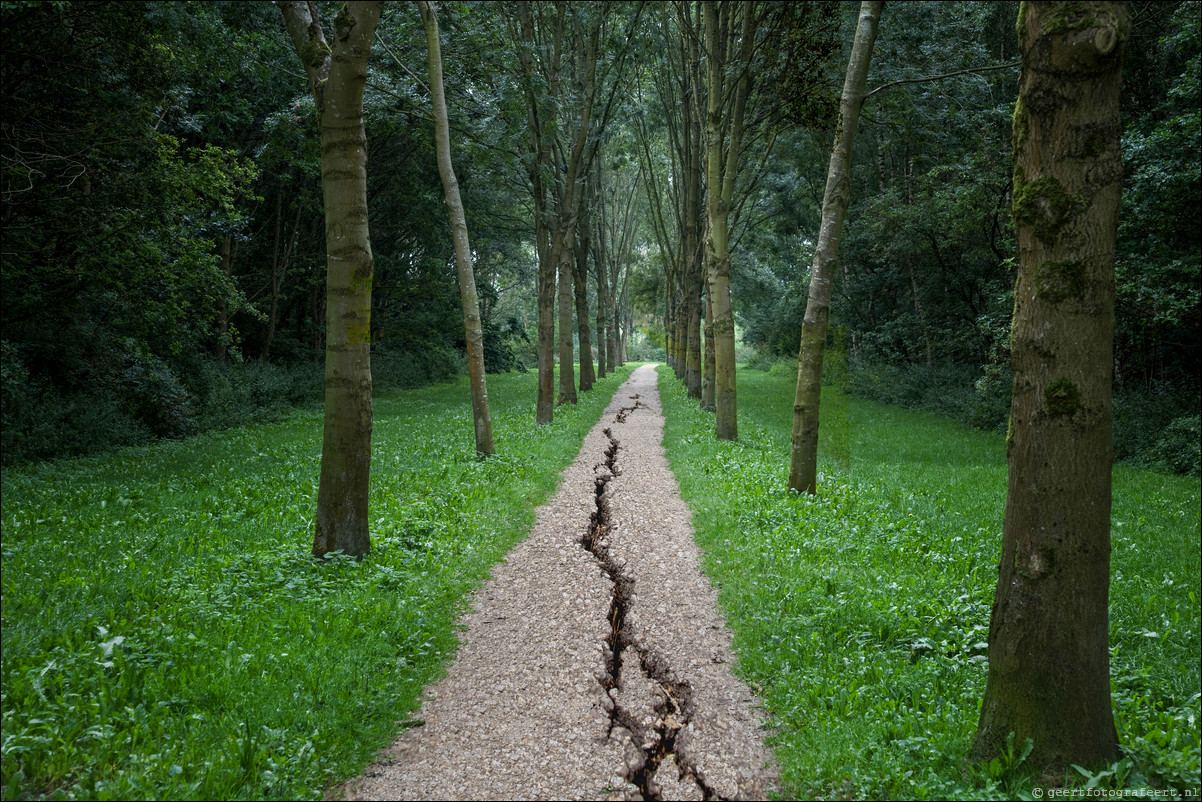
(166, 635)
(862, 614)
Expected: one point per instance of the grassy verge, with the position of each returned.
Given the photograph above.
(165, 634)
(861, 615)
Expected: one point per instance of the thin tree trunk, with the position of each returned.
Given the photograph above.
(600, 255)
(463, 251)
(279, 269)
(580, 285)
(724, 132)
(539, 165)
(1049, 671)
(337, 77)
(567, 370)
(803, 461)
(707, 363)
(226, 262)
(274, 283)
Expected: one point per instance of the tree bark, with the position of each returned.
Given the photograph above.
(567, 370)
(803, 460)
(724, 133)
(539, 166)
(580, 287)
(337, 77)
(463, 252)
(707, 362)
(1049, 672)
(600, 260)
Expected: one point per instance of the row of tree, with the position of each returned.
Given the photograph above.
(163, 214)
(162, 221)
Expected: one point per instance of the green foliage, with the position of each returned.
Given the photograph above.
(861, 615)
(166, 634)
(975, 398)
(1178, 449)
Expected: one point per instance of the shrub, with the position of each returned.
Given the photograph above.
(416, 366)
(156, 397)
(1179, 449)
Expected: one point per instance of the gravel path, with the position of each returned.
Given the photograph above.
(594, 663)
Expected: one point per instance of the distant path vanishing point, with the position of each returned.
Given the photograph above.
(594, 664)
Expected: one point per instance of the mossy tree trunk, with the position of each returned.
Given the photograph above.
(469, 299)
(1049, 672)
(803, 459)
(337, 75)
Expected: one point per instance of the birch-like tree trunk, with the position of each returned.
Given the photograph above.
(1049, 669)
(463, 251)
(803, 460)
(337, 76)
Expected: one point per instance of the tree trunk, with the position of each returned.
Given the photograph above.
(337, 77)
(707, 362)
(1049, 672)
(463, 251)
(803, 461)
(580, 285)
(602, 272)
(226, 256)
(693, 346)
(567, 370)
(279, 268)
(723, 138)
(539, 165)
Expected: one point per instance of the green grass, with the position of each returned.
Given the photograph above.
(166, 635)
(861, 615)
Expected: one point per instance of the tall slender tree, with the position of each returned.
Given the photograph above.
(337, 75)
(725, 51)
(1049, 670)
(803, 461)
(463, 250)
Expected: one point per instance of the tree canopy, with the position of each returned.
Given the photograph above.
(163, 250)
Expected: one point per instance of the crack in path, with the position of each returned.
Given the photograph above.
(673, 698)
(593, 665)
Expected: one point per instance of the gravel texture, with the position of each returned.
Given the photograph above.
(593, 664)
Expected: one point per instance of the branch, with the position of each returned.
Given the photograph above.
(970, 71)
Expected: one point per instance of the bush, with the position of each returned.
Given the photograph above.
(41, 422)
(1156, 427)
(426, 364)
(1179, 449)
(1142, 414)
(646, 344)
(254, 392)
(154, 394)
(974, 397)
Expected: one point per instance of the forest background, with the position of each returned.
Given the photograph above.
(163, 246)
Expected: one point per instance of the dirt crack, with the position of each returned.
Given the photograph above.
(673, 698)
(593, 663)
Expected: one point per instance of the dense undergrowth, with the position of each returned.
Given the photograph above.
(861, 615)
(166, 634)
